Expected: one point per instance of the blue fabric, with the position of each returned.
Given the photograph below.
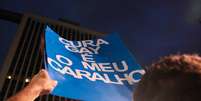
(101, 69)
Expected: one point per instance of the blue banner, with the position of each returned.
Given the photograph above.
(100, 69)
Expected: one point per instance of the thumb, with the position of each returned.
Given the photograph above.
(54, 83)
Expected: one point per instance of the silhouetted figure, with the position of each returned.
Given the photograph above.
(172, 78)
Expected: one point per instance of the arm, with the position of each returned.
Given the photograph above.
(40, 84)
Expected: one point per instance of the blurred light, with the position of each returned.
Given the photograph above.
(9, 77)
(26, 80)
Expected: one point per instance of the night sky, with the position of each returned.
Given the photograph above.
(149, 28)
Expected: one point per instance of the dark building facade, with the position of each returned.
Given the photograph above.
(24, 58)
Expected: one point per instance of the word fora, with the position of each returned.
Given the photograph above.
(106, 73)
(85, 46)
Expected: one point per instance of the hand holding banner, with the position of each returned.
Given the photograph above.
(100, 69)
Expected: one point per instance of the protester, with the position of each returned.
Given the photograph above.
(40, 84)
(172, 78)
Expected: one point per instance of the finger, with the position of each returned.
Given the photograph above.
(54, 83)
(41, 72)
(50, 88)
(45, 92)
(44, 73)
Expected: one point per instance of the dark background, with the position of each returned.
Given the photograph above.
(149, 28)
